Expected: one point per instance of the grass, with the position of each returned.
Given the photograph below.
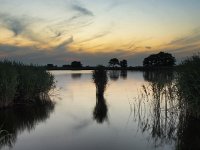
(23, 84)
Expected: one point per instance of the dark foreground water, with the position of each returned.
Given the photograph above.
(136, 110)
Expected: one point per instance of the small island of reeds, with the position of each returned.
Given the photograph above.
(22, 84)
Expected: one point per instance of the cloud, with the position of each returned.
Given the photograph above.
(22, 26)
(97, 36)
(148, 47)
(16, 24)
(65, 43)
(184, 46)
(62, 53)
(57, 34)
(82, 10)
(191, 38)
(59, 55)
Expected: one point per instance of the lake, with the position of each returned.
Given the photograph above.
(129, 110)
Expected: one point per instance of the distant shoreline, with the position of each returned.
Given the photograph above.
(111, 68)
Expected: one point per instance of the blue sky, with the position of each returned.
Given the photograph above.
(93, 31)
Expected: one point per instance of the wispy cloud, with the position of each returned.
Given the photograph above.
(184, 46)
(191, 38)
(65, 43)
(22, 26)
(15, 24)
(94, 37)
(82, 10)
(61, 55)
(148, 47)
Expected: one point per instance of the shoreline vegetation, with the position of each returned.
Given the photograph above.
(23, 84)
(153, 62)
(139, 68)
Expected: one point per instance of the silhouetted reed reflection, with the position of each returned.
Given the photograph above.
(100, 79)
(157, 111)
(76, 76)
(124, 74)
(162, 112)
(114, 75)
(162, 76)
(20, 118)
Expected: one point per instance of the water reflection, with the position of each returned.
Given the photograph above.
(124, 74)
(18, 119)
(162, 77)
(157, 111)
(162, 116)
(76, 76)
(100, 111)
(114, 75)
(162, 113)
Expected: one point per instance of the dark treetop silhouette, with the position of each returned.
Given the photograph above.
(159, 60)
(113, 62)
(123, 63)
(76, 64)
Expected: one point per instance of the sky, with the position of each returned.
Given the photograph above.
(94, 31)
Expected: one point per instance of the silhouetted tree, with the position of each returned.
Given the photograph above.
(159, 60)
(66, 66)
(113, 62)
(50, 65)
(100, 67)
(76, 64)
(123, 63)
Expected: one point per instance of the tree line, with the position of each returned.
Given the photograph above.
(160, 59)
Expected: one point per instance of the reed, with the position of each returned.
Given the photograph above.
(189, 82)
(23, 84)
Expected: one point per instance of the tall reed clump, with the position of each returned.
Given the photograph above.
(8, 83)
(188, 82)
(23, 84)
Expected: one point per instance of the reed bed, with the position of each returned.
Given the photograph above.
(188, 83)
(23, 84)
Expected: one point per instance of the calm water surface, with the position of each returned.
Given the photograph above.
(135, 111)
